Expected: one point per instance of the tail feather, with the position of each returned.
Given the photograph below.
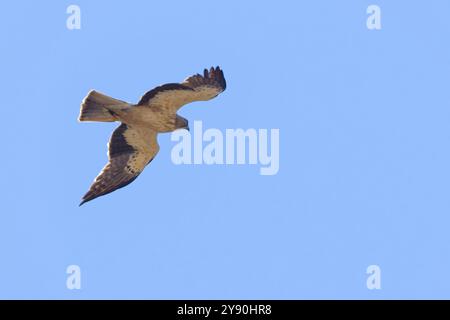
(95, 107)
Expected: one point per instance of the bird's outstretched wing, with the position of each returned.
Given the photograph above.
(130, 149)
(173, 96)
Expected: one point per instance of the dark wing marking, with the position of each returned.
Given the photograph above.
(165, 87)
(212, 78)
(129, 150)
(173, 96)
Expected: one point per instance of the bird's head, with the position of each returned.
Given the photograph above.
(181, 123)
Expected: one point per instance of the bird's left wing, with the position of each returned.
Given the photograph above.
(173, 96)
(130, 149)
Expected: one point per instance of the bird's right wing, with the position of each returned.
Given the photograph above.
(172, 96)
(130, 149)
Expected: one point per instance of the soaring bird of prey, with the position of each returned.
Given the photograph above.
(133, 144)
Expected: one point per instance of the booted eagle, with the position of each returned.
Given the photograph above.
(133, 144)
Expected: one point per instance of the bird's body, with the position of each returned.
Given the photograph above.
(134, 143)
(145, 117)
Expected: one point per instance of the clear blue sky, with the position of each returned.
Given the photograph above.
(364, 151)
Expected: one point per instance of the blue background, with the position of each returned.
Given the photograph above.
(364, 151)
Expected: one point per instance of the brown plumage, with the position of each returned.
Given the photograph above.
(134, 143)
